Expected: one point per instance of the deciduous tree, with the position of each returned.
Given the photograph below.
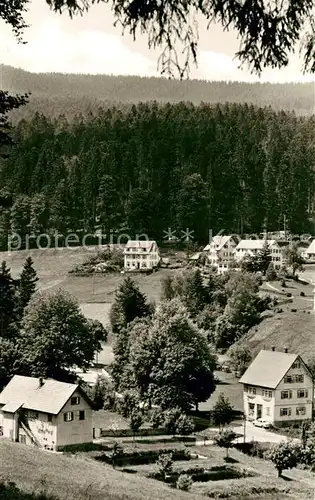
(294, 259)
(225, 439)
(171, 361)
(56, 336)
(240, 358)
(284, 455)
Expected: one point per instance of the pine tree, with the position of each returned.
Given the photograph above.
(129, 304)
(264, 258)
(27, 284)
(8, 309)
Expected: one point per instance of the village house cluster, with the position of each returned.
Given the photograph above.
(226, 252)
(223, 253)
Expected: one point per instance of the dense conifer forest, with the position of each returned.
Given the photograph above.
(56, 93)
(232, 167)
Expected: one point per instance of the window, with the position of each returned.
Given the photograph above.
(32, 414)
(268, 411)
(285, 412)
(252, 390)
(267, 394)
(288, 379)
(68, 416)
(302, 393)
(286, 394)
(81, 415)
(49, 418)
(299, 379)
(296, 364)
(301, 410)
(22, 439)
(75, 400)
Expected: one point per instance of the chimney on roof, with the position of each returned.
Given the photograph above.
(41, 381)
(273, 348)
(286, 350)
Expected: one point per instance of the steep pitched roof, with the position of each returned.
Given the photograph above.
(147, 245)
(311, 248)
(268, 369)
(27, 392)
(219, 241)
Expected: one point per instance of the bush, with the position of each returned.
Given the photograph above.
(184, 482)
(116, 452)
(141, 457)
(170, 418)
(127, 404)
(156, 419)
(307, 456)
(285, 455)
(302, 294)
(165, 464)
(184, 425)
(225, 439)
(253, 449)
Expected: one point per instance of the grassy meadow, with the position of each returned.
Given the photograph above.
(80, 477)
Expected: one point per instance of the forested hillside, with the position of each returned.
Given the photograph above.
(54, 93)
(227, 167)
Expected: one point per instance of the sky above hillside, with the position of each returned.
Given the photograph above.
(90, 44)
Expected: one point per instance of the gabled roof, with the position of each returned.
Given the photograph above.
(27, 392)
(219, 241)
(12, 407)
(147, 245)
(268, 369)
(311, 248)
(254, 244)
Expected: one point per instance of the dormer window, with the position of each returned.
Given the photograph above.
(75, 400)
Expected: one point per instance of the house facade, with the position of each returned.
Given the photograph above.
(278, 388)
(249, 248)
(220, 253)
(141, 255)
(47, 414)
(309, 253)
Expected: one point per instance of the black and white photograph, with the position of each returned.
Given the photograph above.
(157, 249)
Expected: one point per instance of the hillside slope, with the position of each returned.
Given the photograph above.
(55, 93)
(293, 328)
(75, 478)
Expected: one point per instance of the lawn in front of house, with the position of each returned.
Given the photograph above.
(257, 477)
(75, 478)
(230, 387)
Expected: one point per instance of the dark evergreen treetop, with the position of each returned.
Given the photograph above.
(27, 283)
(242, 166)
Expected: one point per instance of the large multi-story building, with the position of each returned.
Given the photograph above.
(141, 255)
(220, 253)
(278, 388)
(248, 248)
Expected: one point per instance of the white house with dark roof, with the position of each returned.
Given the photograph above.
(220, 252)
(278, 388)
(45, 413)
(249, 248)
(141, 254)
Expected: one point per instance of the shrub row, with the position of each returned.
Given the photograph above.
(129, 433)
(142, 457)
